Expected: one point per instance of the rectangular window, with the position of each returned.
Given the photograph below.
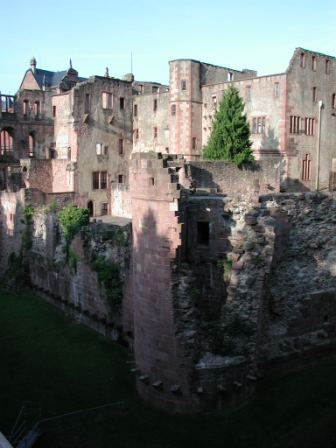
(333, 101)
(155, 105)
(25, 107)
(99, 149)
(314, 63)
(214, 100)
(155, 132)
(183, 84)
(136, 134)
(107, 100)
(105, 150)
(120, 179)
(121, 146)
(294, 125)
(95, 180)
(248, 93)
(135, 110)
(306, 168)
(173, 109)
(194, 143)
(230, 76)
(314, 94)
(122, 103)
(99, 180)
(327, 66)
(258, 125)
(37, 108)
(309, 126)
(203, 233)
(54, 111)
(103, 180)
(87, 103)
(303, 60)
(276, 90)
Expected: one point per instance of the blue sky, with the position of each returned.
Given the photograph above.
(260, 35)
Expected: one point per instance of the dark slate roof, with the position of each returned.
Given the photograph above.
(52, 79)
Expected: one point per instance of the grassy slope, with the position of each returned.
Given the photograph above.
(48, 359)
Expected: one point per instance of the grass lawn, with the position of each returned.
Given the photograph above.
(47, 359)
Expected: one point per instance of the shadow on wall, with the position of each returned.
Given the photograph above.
(270, 141)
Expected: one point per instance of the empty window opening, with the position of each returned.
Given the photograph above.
(136, 133)
(327, 67)
(31, 144)
(173, 109)
(99, 180)
(183, 84)
(120, 179)
(107, 100)
(306, 168)
(309, 126)
(258, 125)
(276, 90)
(314, 94)
(121, 146)
(155, 103)
(6, 141)
(303, 60)
(155, 89)
(151, 181)
(105, 150)
(54, 111)
(99, 149)
(7, 103)
(103, 180)
(122, 103)
(214, 100)
(314, 63)
(87, 103)
(203, 233)
(294, 125)
(25, 107)
(155, 132)
(135, 110)
(194, 143)
(230, 76)
(333, 101)
(37, 108)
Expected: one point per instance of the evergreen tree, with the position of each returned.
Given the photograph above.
(230, 137)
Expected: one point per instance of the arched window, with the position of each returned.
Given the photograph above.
(31, 144)
(6, 141)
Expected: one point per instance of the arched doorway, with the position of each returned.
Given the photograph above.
(90, 208)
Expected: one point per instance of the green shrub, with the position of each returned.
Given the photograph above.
(28, 213)
(72, 219)
(108, 275)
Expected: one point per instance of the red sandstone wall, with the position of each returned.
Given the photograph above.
(159, 357)
(48, 176)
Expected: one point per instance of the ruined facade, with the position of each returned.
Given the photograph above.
(223, 275)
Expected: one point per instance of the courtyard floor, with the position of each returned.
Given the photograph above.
(57, 366)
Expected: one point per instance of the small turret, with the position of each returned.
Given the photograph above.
(33, 64)
(107, 75)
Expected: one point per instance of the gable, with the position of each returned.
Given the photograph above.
(29, 82)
